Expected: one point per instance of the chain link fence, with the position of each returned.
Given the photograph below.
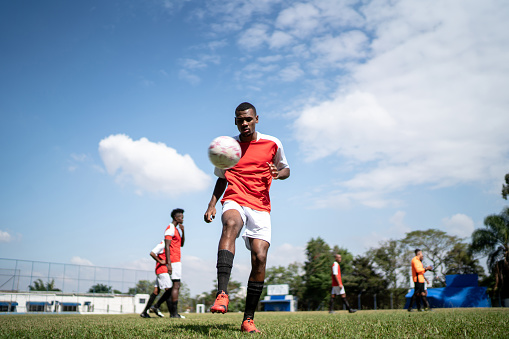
(18, 275)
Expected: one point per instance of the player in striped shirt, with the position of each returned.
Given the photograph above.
(246, 203)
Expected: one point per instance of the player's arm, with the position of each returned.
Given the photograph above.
(167, 251)
(281, 174)
(182, 237)
(156, 258)
(210, 214)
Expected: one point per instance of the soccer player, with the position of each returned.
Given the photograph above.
(418, 277)
(246, 202)
(337, 286)
(174, 238)
(162, 281)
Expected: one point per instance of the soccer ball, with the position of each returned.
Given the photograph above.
(224, 152)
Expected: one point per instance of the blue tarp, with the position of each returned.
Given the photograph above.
(459, 292)
(70, 304)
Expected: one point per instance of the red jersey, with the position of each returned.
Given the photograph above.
(173, 234)
(159, 251)
(336, 271)
(249, 181)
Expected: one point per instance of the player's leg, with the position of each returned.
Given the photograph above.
(232, 225)
(163, 282)
(259, 249)
(345, 302)
(331, 302)
(150, 301)
(175, 299)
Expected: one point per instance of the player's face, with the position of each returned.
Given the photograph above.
(246, 123)
(420, 256)
(338, 258)
(179, 218)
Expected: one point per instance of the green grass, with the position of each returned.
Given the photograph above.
(472, 323)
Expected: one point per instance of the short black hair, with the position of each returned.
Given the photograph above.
(417, 250)
(244, 107)
(176, 211)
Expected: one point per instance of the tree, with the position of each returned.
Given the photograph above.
(142, 286)
(100, 288)
(387, 260)
(317, 276)
(461, 261)
(291, 275)
(365, 277)
(435, 245)
(493, 241)
(40, 286)
(505, 188)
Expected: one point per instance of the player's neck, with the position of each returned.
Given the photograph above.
(252, 137)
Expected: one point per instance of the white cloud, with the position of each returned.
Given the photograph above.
(254, 37)
(459, 225)
(397, 230)
(81, 261)
(5, 236)
(286, 254)
(428, 107)
(193, 79)
(151, 167)
(302, 19)
(291, 73)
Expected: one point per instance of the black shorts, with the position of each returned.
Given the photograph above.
(419, 288)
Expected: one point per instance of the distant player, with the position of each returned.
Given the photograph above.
(337, 286)
(174, 238)
(418, 277)
(163, 281)
(246, 202)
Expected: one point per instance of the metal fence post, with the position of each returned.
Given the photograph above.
(375, 301)
(359, 300)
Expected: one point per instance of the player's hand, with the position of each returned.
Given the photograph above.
(168, 266)
(210, 214)
(429, 268)
(273, 170)
(181, 226)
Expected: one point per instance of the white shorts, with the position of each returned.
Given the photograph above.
(163, 281)
(338, 291)
(176, 270)
(257, 223)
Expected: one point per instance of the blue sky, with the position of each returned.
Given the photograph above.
(393, 116)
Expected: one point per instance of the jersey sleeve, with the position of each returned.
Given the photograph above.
(219, 172)
(159, 248)
(335, 270)
(170, 232)
(279, 158)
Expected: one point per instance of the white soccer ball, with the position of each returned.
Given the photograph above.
(224, 152)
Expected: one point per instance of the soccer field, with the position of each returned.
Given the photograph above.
(485, 323)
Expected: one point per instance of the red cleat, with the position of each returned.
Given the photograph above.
(221, 303)
(249, 326)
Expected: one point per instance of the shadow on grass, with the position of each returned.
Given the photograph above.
(200, 329)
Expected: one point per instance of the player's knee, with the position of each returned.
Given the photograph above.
(260, 258)
(230, 228)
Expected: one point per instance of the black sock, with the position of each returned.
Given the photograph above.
(412, 300)
(425, 301)
(345, 302)
(163, 298)
(150, 302)
(169, 304)
(254, 291)
(224, 269)
(331, 305)
(174, 307)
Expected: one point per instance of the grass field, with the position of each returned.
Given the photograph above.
(474, 323)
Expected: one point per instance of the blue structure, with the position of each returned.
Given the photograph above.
(278, 299)
(461, 290)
